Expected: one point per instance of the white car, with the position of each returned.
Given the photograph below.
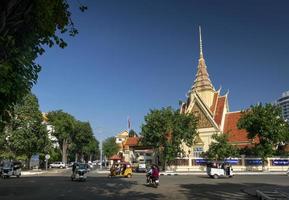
(57, 165)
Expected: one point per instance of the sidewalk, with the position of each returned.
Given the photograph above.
(39, 171)
(32, 172)
(171, 173)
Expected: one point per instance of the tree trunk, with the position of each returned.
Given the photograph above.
(28, 162)
(64, 151)
(76, 157)
(90, 157)
(164, 160)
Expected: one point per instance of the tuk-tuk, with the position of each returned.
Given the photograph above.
(122, 169)
(10, 168)
(219, 169)
(79, 171)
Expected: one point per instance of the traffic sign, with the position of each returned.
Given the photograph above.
(47, 156)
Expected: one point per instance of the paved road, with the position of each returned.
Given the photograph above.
(59, 187)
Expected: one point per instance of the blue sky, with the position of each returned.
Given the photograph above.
(131, 56)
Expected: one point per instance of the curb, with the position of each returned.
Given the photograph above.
(235, 173)
(168, 173)
(31, 173)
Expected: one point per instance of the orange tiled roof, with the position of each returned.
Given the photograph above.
(235, 135)
(131, 141)
(115, 157)
(220, 109)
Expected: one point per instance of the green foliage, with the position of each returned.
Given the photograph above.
(63, 125)
(220, 149)
(167, 129)
(83, 140)
(132, 133)
(109, 147)
(265, 123)
(63, 129)
(92, 149)
(82, 135)
(72, 135)
(26, 26)
(26, 135)
(55, 155)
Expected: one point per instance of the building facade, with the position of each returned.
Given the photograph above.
(212, 109)
(283, 102)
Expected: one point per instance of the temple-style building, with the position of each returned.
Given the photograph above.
(212, 110)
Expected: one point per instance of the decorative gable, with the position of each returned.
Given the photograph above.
(203, 122)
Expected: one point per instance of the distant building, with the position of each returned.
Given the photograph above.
(283, 102)
(50, 130)
(121, 137)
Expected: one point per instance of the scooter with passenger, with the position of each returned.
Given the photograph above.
(152, 175)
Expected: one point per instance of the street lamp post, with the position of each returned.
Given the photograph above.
(100, 154)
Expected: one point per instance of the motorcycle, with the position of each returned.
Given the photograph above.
(152, 180)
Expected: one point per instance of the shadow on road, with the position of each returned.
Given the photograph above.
(224, 190)
(60, 188)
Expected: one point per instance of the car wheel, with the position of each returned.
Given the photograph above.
(215, 176)
(129, 176)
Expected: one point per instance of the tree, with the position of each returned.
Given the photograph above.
(84, 142)
(26, 134)
(132, 133)
(166, 130)
(26, 26)
(265, 123)
(109, 147)
(220, 149)
(92, 149)
(63, 129)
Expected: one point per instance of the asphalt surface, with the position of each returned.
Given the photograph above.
(58, 186)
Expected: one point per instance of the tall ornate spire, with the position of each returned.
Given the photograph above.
(201, 44)
(202, 81)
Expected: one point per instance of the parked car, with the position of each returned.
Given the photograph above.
(57, 165)
(141, 167)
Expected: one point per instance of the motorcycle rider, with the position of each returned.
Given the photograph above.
(155, 172)
(149, 173)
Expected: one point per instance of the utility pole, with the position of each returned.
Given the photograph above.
(100, 155)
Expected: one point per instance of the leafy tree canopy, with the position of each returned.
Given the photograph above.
(168, 129)
(63, 125)
(26, 26)
(63, 129)
(83, 140)
(82, 135)
(220, 149)
(109, 147)
(132, 133)
(26, 135)
(265, 123)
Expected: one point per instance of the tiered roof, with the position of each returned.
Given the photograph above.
(218, 111)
